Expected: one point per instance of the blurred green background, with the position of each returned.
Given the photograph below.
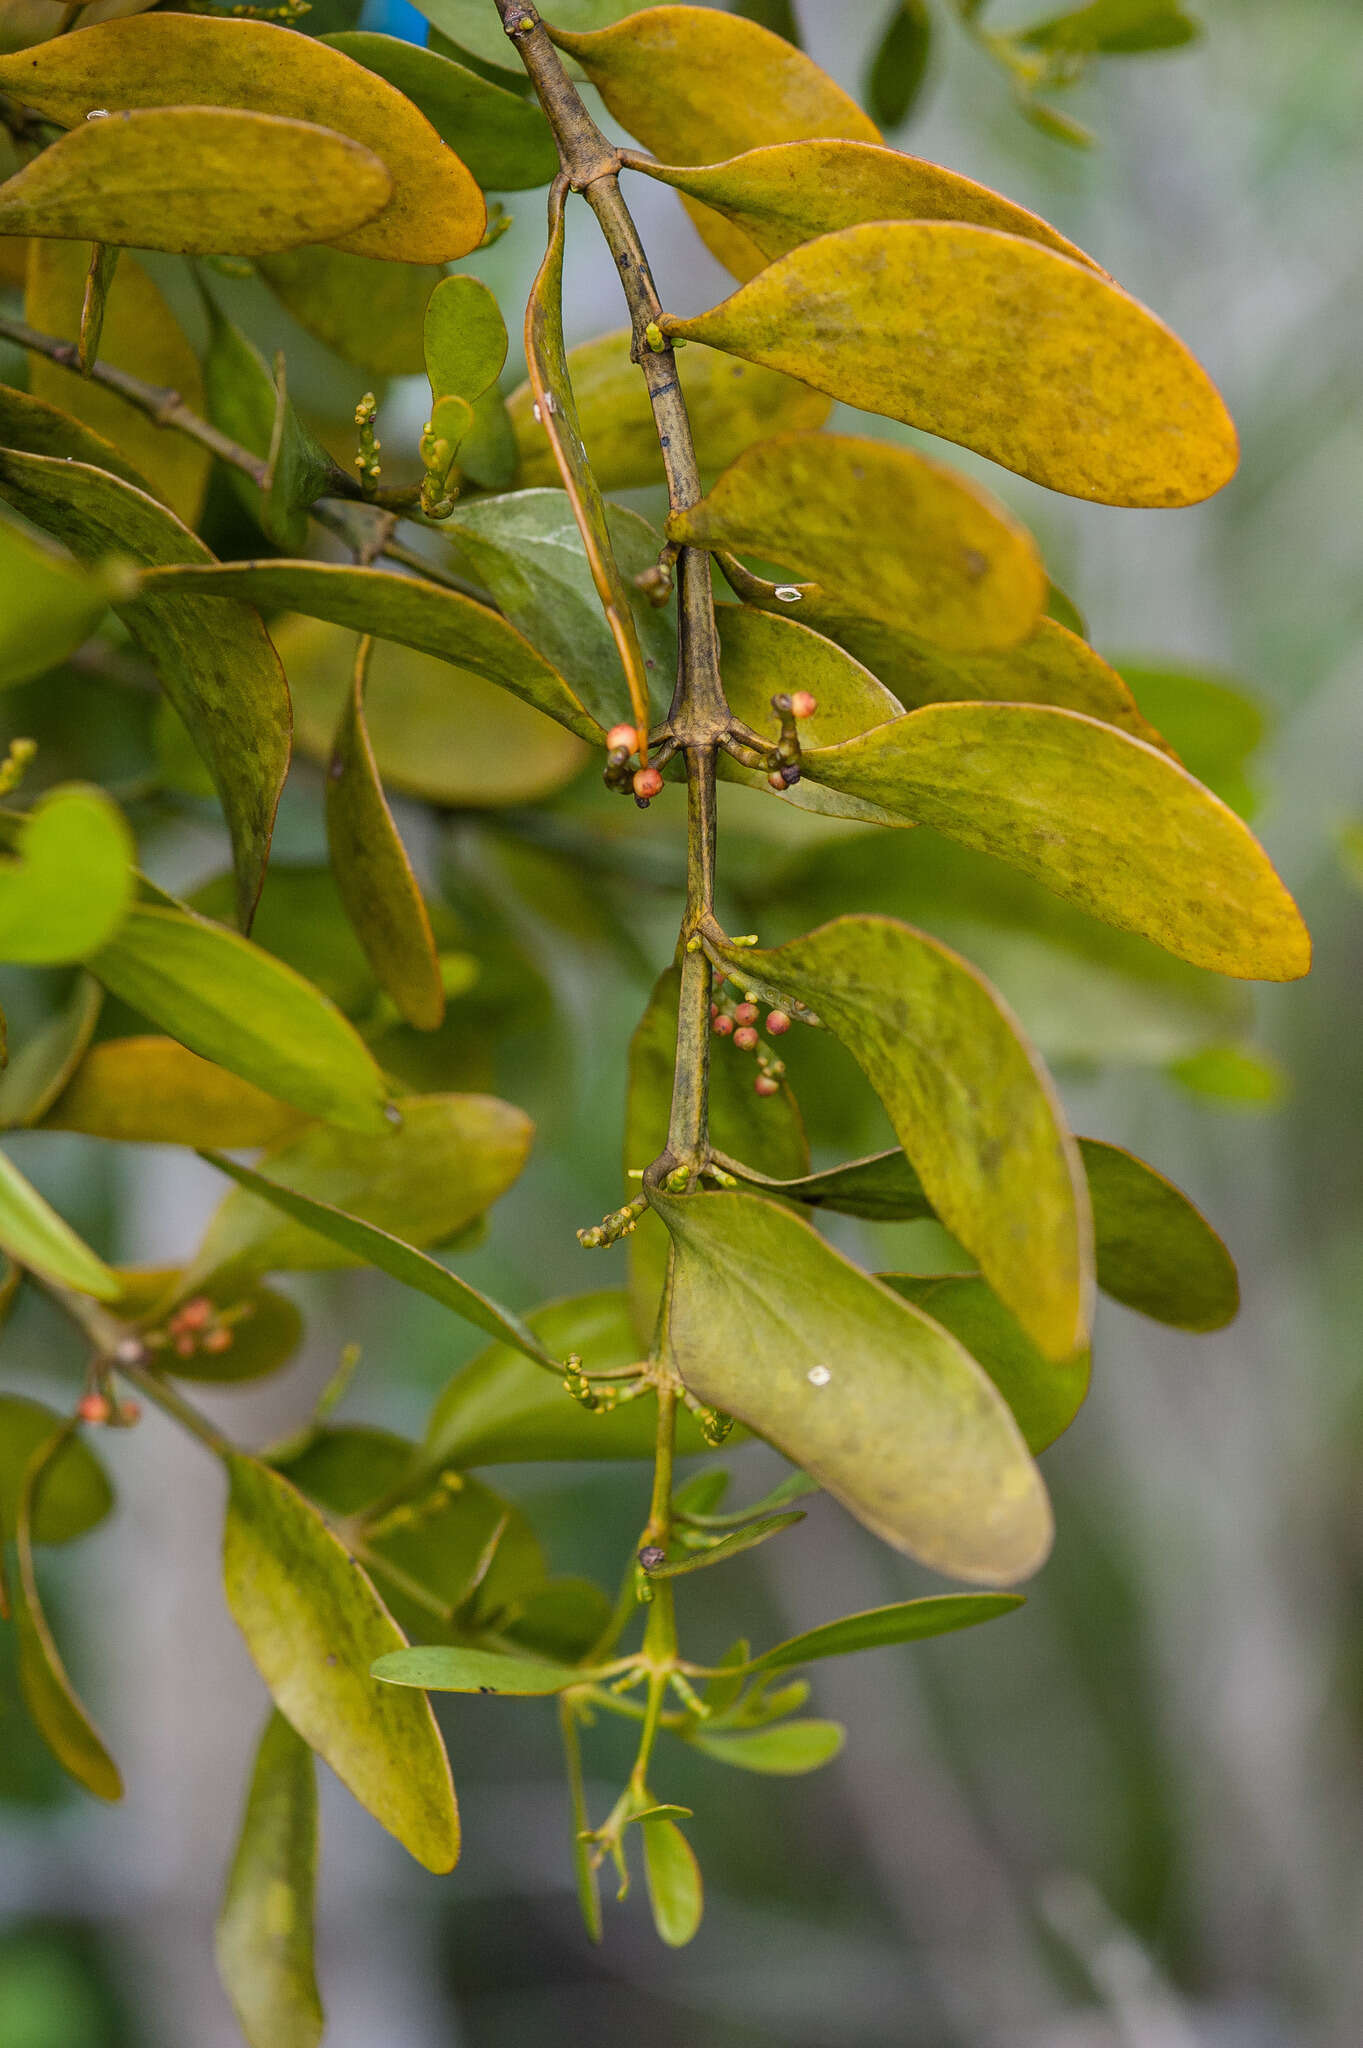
(1130, 1816)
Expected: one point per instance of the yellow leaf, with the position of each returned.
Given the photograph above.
(886, 533)
(992, 341)
(154, 1091)
(195, 180)
(436, 211)
(141, 335)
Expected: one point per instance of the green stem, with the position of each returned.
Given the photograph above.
(171, 1402)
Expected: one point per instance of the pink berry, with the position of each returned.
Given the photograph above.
(194, 1314)
(218, 1340)
(647, 783)
(92, 1408)
(723, 1025)
(803, 705)
(777, 781)
(745, 1038)
(622, 736)
(764, 1085)
(745, 1013)
(184, 1345)
(777, 1023)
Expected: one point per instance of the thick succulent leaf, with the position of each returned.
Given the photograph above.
(672, 1875)
(150, 1090)
(365, 1242)
(214, 660)
(968, 1098)
(141, 335)
(244, 401)
(40, 1069)
(908, 1621)
(1045, 1397)
(731, 404)
(505, 140)
(33, 1235)
(443, 1668)
(242, 1008)
(75, 1494)
(546, 359)
(448, 1159)
(373, 873)
(1156, 1252)
(1034, 360)
(791, 192)
(47, 606)
(369, 312)
(465, 338)
(196, 181)
(415, 614)
(501, 1410)
(68, 885)
(768, 1323)
(436, 211)
(1094, 814)
(314, 1625)
(785, 1751)
(264, 1936)
(884, 532)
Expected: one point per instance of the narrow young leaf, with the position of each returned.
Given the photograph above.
(215, 661)
(1044, 1396)
(150, 1090)
(314, 1625)
(728, 1546)
(34, 1235)
(435, 213)
(674, 1884)
(504, 139)
(442, 1668)
(969, 1100)
(885, 533)
(240, 1007)
(70, 883)
(768, 1323)
(75, 1494)
(264, 1939)
(195, 181)
(1094, 814)
(908, 1621)
(788, 1750)
(1034, 360)
(373, 873)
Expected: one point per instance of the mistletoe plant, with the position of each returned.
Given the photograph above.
(848, 626)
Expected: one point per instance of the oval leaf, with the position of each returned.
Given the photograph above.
(882, 1406)
(1001, 345)
(968, 1098)
(465, 338)
(69, 887)
(197, 180)
(884, 532)
(75, 1494)
(786, 1751)
(314, 1625)
(1155, 1251)
(34, 1236)
(1094, 814)
(154, 1091)
(1044, 1396)
(264, 1937)
(436, 212)
(446, 1669)
(673, 1877)
(726, 1547)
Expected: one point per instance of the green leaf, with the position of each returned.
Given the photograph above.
(900, 62)
(884, 532)
(908, 1621)
(793, 1487)
(1236, 1076)
(363, 1241)
(505, 140)
(1210, 722)
(465, 338)
(442, 1668)
(1002, 345)
(47, 606)
(477, 30)
(40, 1069)
(34, 1235)
(673, 1878)
(436, 211)
(264, 1940)
(1155, 1251)
(215, 661)
(31, 425)
(487, 453)
(75, 1494)
(450, 1545)
(245, 402)
(314, 1625)
(197, 180)
(777, 15)
(1044, 1396)
(265, 1329)
(369, 312)
(501, 1410)
(1114, 28)
(68, 889)
(372, 870)
(730, 405)
(153, 1091)
(57, 1713)
(240, 1007)
(786, 1751)
(726, 1547)
(1097, 816)
(563, 1618)
(880, 1405)
(346, 1467)
(423, 616)
(968, 1098)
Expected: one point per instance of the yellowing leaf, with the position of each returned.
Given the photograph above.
(731, 404)
(154, 1091)
(264, 1940)
(884, 533)
(970, 1102)
(382, 898)
(1095, 815)
(313, 1625)
(215, 661)
(140, 335)
(194, 180)
(33, 1235)
(71, 882)
(995, 342)
(876, 1402)
(436, 212)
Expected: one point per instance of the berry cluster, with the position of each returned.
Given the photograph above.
(197, 1325)
(739, 1021)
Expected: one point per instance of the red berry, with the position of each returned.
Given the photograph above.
(803, 705)
(745, 1038)
(777, 1023)
(764, 1085)
(647, 783)
(193, 1315)
(723, 1025)
(184, 1345)
(777, 781)
(93, 1408)
(745, 1013)
(622, 736)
